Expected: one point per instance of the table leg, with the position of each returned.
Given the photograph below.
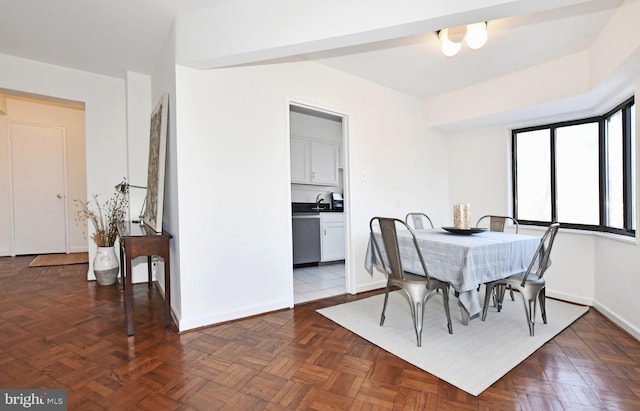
(167, 286)
(149, 269)
(121, 267)
(128, 292)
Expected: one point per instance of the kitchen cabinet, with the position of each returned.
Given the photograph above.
(332, 236)
(300, 166)
(314, 162)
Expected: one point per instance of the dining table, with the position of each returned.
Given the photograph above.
(463, 260)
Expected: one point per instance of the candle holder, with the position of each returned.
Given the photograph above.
(461, 216)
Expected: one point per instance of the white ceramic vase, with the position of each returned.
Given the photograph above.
(106, 266)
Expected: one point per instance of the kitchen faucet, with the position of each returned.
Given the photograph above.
(319, 200)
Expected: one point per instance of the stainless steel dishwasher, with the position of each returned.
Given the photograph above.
(306, 238)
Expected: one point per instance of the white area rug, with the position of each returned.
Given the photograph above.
(474, 356)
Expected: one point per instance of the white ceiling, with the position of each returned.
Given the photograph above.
(112, 37)
(108, 37)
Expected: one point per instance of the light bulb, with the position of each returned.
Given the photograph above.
(450, 48)
(443, 34)
(477, 35)
(456, 34)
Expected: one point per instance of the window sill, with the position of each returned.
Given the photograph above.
(608, 236)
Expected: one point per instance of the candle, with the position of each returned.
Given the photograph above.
(461, 214)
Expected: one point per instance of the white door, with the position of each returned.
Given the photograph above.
(38, 188)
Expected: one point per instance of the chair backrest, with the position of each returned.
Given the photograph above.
(540, 261)
(418, 221)
(497, 222)
(388, 231)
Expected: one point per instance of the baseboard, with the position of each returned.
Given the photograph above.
(7, 252)
(78, 250)
(375, 285)
(572, 298)
(187, 324)
(611, 315)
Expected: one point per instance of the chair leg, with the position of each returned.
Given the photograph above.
(488, 296)
(542, 296)
(500, 290)
(418, 314)
(445, 302)
(530, 296)
(493, 291)
(384, 306)
(417, 298)
(495, 303)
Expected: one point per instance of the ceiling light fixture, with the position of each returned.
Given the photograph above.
(451, 39)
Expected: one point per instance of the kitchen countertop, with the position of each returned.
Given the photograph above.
(309, 208)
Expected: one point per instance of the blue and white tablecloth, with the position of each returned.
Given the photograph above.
(465, 261)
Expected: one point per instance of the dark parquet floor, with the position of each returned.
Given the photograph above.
(59, 331)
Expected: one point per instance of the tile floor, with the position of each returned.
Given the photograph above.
(313, 283)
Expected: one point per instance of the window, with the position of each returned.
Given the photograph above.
(534, 175)
(579, 173)
(614, 198)
(577, 183)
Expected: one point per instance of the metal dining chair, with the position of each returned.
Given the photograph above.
(498, 222)
(530, 283)
(418, 221)
(417, 288)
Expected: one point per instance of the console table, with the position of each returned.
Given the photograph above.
(137, 240)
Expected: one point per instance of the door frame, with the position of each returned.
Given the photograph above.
(350, 281)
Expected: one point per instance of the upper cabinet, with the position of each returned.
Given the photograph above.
(324, 163)
(314, 161)
(300, 161)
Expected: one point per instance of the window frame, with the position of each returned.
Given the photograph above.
(627, 177)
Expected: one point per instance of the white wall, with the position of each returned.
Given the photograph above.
(233, 132)
(479, 170)
(616, 266)
(164, 81)
(138, 92)
(138, 105)
(104, 99)
(617, 282)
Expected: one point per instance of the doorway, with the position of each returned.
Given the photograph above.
(45, 152)
(38, 178)
(317, 142)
